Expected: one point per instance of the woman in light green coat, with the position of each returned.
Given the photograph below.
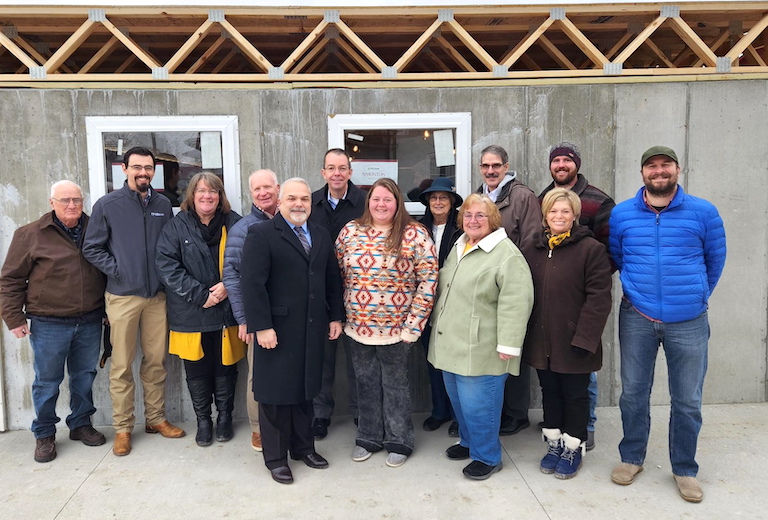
(485, 296)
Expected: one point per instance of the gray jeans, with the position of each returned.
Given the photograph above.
(383, 397)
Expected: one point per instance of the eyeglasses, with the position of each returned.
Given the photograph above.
(441, 198)
(202, 191)
(494, 166)
(77, 201)
(333, 169)
(149, 168)
(476, 216)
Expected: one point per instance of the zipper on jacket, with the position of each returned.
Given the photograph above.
(658, 267)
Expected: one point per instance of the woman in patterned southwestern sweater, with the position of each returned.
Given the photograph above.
(389, 267)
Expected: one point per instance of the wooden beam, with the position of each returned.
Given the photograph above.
(70, 46)
(207, 55)
(693, 41)
(528, 61)
(659, 53)
(748, 38)
(756, 56)
(100, 56)
(248, 49)
(715, 45)
(553, 51)
(311, 39)
(583, 43)
(352, 53)
(526, 43)
(639, 39)
(419, 44)
(472, 44)
(224, 61)
(314, 51)
(17, 52)
(193, 41)
(355, 40)
(344, 61)
(437, 61)
(319, 61)
(454, 53)
(132, 46)
(127, 63)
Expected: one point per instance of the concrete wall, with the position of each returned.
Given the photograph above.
(717, 128)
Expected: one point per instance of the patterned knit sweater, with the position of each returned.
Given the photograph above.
(387, 299)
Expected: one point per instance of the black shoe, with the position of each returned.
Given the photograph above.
(282, 475)
(477, 470)
(356, 421)
(224, 430)
(453, 429)
(313, 460)
(224, 397)
(457, 452)
(431, 424)
(590, 444)
(45, 449)
(89, 435)
(320, 427)
(511, 426)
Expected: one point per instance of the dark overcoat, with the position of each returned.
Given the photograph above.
(572, 300)
(296, 294)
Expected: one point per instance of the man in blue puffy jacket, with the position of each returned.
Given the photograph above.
(670, 249)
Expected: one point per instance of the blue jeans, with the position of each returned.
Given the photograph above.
(685, 346)
(477, 402)
(54, 345)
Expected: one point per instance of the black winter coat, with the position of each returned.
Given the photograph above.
(572, 300)
(346, 210)
(295, 294)
(188, 270)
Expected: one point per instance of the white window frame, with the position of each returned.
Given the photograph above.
(461, 122)
(95, 126)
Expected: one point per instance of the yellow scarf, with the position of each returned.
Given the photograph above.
(555, 240)
(188, 345)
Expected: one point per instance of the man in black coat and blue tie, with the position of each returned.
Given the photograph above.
(292, 295)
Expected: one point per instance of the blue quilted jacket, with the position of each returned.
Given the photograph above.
(670, 261)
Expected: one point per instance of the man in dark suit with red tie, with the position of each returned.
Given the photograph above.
(292, 296)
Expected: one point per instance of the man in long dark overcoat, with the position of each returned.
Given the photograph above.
(292, 296)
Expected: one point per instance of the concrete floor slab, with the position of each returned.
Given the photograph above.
(173, 478)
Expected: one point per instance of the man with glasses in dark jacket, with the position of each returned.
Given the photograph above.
(121, 243)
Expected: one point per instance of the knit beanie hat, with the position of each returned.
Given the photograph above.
(568, 150)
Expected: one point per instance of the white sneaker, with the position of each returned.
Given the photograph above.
(359, 454)
(395, 460)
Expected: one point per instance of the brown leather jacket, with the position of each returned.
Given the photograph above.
(45, 274)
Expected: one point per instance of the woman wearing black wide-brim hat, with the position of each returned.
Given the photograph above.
(442, 204)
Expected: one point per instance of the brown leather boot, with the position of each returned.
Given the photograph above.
(45, 449)
(165, 429)
(122, 444)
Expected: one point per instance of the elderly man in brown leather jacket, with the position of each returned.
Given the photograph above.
(46, 280)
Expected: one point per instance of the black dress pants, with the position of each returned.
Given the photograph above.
(284, 428)
(566, 402)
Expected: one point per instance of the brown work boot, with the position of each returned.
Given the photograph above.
(624, 474)
(256, 441)
(689, 488)
(122, 444)
(45, 449)
(165, 429)
(89, 435)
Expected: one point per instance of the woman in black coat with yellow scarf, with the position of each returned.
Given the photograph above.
(203, 330)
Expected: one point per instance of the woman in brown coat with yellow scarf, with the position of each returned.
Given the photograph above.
(190, 255)
(572, 299)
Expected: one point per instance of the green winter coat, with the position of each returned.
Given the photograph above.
(484, 300)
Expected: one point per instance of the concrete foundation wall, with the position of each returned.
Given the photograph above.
(717, 128)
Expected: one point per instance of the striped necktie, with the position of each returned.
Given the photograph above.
(303, 238)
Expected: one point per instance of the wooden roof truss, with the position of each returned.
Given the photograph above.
(348, 46)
